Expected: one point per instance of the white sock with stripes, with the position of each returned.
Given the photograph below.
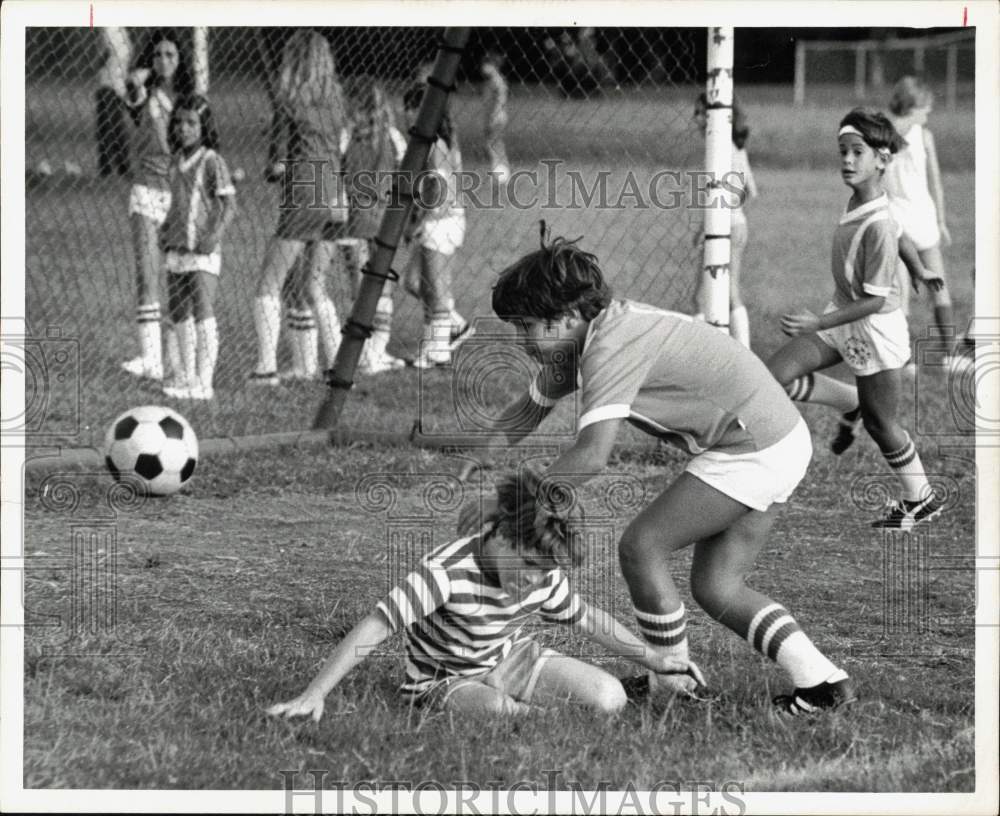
(823, 390)
(774, 633)
(739, 325)
(329, 329)
(187, 343)
(906, 464)
(148, 318)
(302, 338)
(208, 350)
(666, 633)
(267, 322)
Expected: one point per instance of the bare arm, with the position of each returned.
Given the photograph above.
(352, 650)
(934, 185)
(806, 322)
(915, 267)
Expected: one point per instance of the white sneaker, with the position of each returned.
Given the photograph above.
(459, 334)
(293, 375)
(263, 378)
(379, 363)
(189, 392)
(138, 367)
(431, 360)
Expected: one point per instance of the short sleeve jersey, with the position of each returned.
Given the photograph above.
(458, 621)
(152, 158)
(194, 182)
(680, 380)
(866, 255)
(313, 160)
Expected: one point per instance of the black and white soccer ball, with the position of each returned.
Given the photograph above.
(153, 444)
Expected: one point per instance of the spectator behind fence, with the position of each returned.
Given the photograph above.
(495, 91)
(311, 210)
(112, 125)
(437, 228)
(373, 147)
(739, 322)
(161, 75)
(201, 208)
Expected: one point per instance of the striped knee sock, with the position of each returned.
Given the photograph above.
(302, 341)
(775, 634)
(906, 464)
(667, 633)
(148, 318)
(823, 390)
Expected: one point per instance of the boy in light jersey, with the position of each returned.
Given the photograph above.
(683, 382)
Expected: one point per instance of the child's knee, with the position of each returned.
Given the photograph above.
(609, 697)
(636, 544)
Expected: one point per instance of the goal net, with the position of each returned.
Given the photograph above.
(598, 140)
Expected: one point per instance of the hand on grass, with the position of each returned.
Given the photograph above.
(305, 705)
(664, 664)
(804, 322)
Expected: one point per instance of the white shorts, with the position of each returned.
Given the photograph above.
(181, 263)
(444, 235)
(918, 221)
(149, 203)
(879, 342)
(757, 479)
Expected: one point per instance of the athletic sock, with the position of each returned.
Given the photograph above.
(148, 318)
(823, 390)
(774, 633)
(267, 322)
(208, 350)
(666, 633)
(905, 463)
(329, 329)
(302, 340)
(739, 325)
(187, 343)
(173, 353)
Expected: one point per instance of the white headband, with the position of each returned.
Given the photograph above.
(882, 151)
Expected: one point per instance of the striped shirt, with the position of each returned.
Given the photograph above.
(678, 379)
(458, 621)
(866, 255)
(195, 182)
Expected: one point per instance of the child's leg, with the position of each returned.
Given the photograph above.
(879, 396)
(206, 331)
(739, 321)
(318, 261)
(435, 293)
(278, 261)
(718, 572)
(478, 698)
(944, 318)
(180, 287)
(147, 265)
(689, 510)
(564, 678)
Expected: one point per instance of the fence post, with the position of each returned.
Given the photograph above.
(200, 60)
(800, 72)
(859, 72)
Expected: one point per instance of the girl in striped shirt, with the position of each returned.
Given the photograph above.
(462, 611)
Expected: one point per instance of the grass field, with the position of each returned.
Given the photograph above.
(229, 595)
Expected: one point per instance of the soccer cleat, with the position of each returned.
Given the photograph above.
(824, 697)
(379, 363)
(905, 515)
(847, 431)
(295, 376)
(459, 334)
(138, 367)
(263, 378)
(434, 360)
(190, 392)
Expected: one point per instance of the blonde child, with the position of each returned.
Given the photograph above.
(916, 197)
(863, 326)
(462, 612)
(202, 207)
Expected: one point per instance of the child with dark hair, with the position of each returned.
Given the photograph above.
(739, 321)
(462, 612)
(201, 208)
(863, 326)
(685, 383)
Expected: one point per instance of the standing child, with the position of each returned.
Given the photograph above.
(739, 321)
(916, 197)
(495, 92)
(437, 230)
(373, 149)
(685, 383)
(462, 612)
(863, 326)
(202, 206)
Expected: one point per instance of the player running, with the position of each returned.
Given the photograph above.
(686, 383)
(863, 326)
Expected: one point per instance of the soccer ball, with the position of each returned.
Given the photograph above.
(154, 444)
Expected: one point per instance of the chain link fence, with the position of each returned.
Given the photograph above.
(589, 129)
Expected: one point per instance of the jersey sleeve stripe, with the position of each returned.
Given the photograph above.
(878, 291)
(538, 397)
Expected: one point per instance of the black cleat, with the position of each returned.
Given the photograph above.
(905, 515)
(825, 696)
(847, 431)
